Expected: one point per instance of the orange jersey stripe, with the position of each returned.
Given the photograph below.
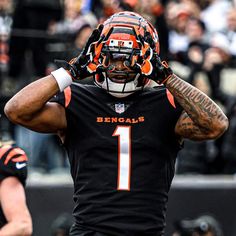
(67, 93)
(170, 98)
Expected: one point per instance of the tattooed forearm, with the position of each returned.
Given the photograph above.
(205, 113)
(188, 129)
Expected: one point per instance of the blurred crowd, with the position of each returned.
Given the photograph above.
(197, 37)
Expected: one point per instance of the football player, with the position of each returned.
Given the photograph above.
(15, 218)
(123, 133)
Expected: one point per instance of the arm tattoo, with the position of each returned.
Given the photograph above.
(188, 129)
(204, 113)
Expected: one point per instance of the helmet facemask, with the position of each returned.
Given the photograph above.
(120, 52)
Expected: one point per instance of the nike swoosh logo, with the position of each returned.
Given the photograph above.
(20, 165)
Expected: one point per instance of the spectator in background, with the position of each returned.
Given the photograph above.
(192, 44)
(219, 53)
(228, 36)
(196, 157)
(94, 6)
(154, 11)
(70, 32)
(73, 31)
(82, 35)
(198, 44)
(6, 128)
(223, 55)
(177, 18)
(109, 7)
(15, 217)
(231, 34)
(206, 56)
(29, 56)
(30, 22)
(203, 157)
(45, 152)
(228, 147)
(73, 19)
(205, 225)
(216, 57)
(5, 29)
(215, 11)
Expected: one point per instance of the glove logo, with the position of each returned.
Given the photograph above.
(20, 165)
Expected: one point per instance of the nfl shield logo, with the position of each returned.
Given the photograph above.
(120, 107)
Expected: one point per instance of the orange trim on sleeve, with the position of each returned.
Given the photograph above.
(4, 149)
(170, 98)
(14, 152)
(67, 93)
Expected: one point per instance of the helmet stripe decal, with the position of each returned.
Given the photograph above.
(123, 22)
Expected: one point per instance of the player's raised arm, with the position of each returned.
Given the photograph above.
(202, 117)
(31, 108)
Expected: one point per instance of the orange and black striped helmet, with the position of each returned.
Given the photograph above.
(122, 37)
(127, 26)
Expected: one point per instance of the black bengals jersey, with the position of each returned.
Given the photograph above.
(122, 154)
(13, 162)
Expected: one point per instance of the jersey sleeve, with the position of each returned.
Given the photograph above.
(173, 102)
(63, 98)
(13, 162)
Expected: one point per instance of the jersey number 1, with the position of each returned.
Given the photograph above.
(124, 156)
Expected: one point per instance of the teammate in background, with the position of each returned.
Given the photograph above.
(15, 217)
(122, 134)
